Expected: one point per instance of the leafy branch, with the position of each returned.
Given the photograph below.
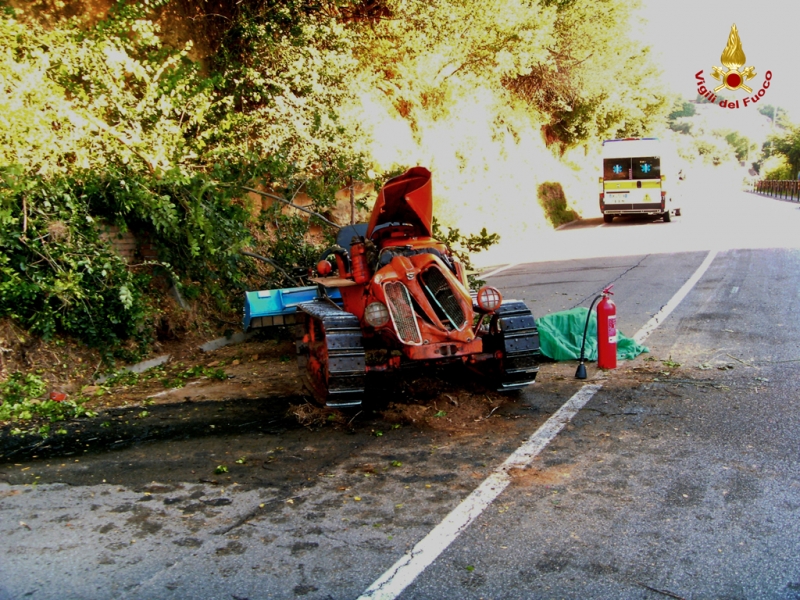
(291, 204)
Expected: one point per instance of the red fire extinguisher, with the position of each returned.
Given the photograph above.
(607, 331)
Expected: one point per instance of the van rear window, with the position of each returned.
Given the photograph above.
(648, 167)
(616, 168)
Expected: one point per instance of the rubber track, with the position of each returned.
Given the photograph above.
(521, 344)
(345, 356)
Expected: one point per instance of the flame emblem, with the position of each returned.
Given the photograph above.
(733, 57)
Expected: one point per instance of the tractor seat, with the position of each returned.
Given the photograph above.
(346, 234)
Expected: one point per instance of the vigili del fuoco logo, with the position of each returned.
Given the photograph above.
(733, 79)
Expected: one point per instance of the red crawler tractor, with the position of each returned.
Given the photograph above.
(405, 298)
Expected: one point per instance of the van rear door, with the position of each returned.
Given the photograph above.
(632, 184)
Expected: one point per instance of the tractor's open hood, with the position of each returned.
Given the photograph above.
(406, 198)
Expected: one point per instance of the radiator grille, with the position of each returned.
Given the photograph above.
(443, 298)
(402, 312)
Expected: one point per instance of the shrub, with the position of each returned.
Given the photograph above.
(554, 202)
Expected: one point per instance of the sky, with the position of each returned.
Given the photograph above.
(689, 35)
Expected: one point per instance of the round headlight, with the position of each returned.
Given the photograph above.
(489, 299)
(376, 314)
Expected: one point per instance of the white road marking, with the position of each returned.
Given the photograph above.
(391, 584)
(667, 309)
(496, 271)
(402, 573)
(734, 290)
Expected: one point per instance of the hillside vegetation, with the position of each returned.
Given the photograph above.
(156, 117)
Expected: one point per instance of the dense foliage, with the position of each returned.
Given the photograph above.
(713, 145)
(787, 146)
(104, 123)
(595, 81)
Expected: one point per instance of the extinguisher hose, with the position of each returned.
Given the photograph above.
(586, 328)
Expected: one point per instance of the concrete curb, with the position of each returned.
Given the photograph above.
(236, 338)
(140, 367)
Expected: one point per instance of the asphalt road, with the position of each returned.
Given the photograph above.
(672, 481)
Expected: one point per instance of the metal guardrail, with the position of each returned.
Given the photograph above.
(784, 189)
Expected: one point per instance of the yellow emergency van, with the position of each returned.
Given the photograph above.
(637, 179)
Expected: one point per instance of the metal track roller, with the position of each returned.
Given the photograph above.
(520, 338)
(333, 366)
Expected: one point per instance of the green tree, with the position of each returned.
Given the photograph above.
(788, 146)
(424, 54)
(286, 68)
(682, 108)
(777, 114)
(594, 82)
(742, 146)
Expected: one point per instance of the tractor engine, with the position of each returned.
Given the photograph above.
(404, 293)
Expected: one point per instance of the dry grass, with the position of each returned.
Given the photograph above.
(313, 416)
(443, 404)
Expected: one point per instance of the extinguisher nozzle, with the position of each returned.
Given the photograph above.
(581, 372)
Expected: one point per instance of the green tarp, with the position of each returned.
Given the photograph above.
(560, 336)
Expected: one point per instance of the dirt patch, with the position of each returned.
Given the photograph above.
(555, 475)
(436, 404)
(238, 388)
(449, 398)
(68, 366)
(254, 369)
(455, 411)
(648, 368)
(63, 363)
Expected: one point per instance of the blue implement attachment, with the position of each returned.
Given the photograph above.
(266, 308)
